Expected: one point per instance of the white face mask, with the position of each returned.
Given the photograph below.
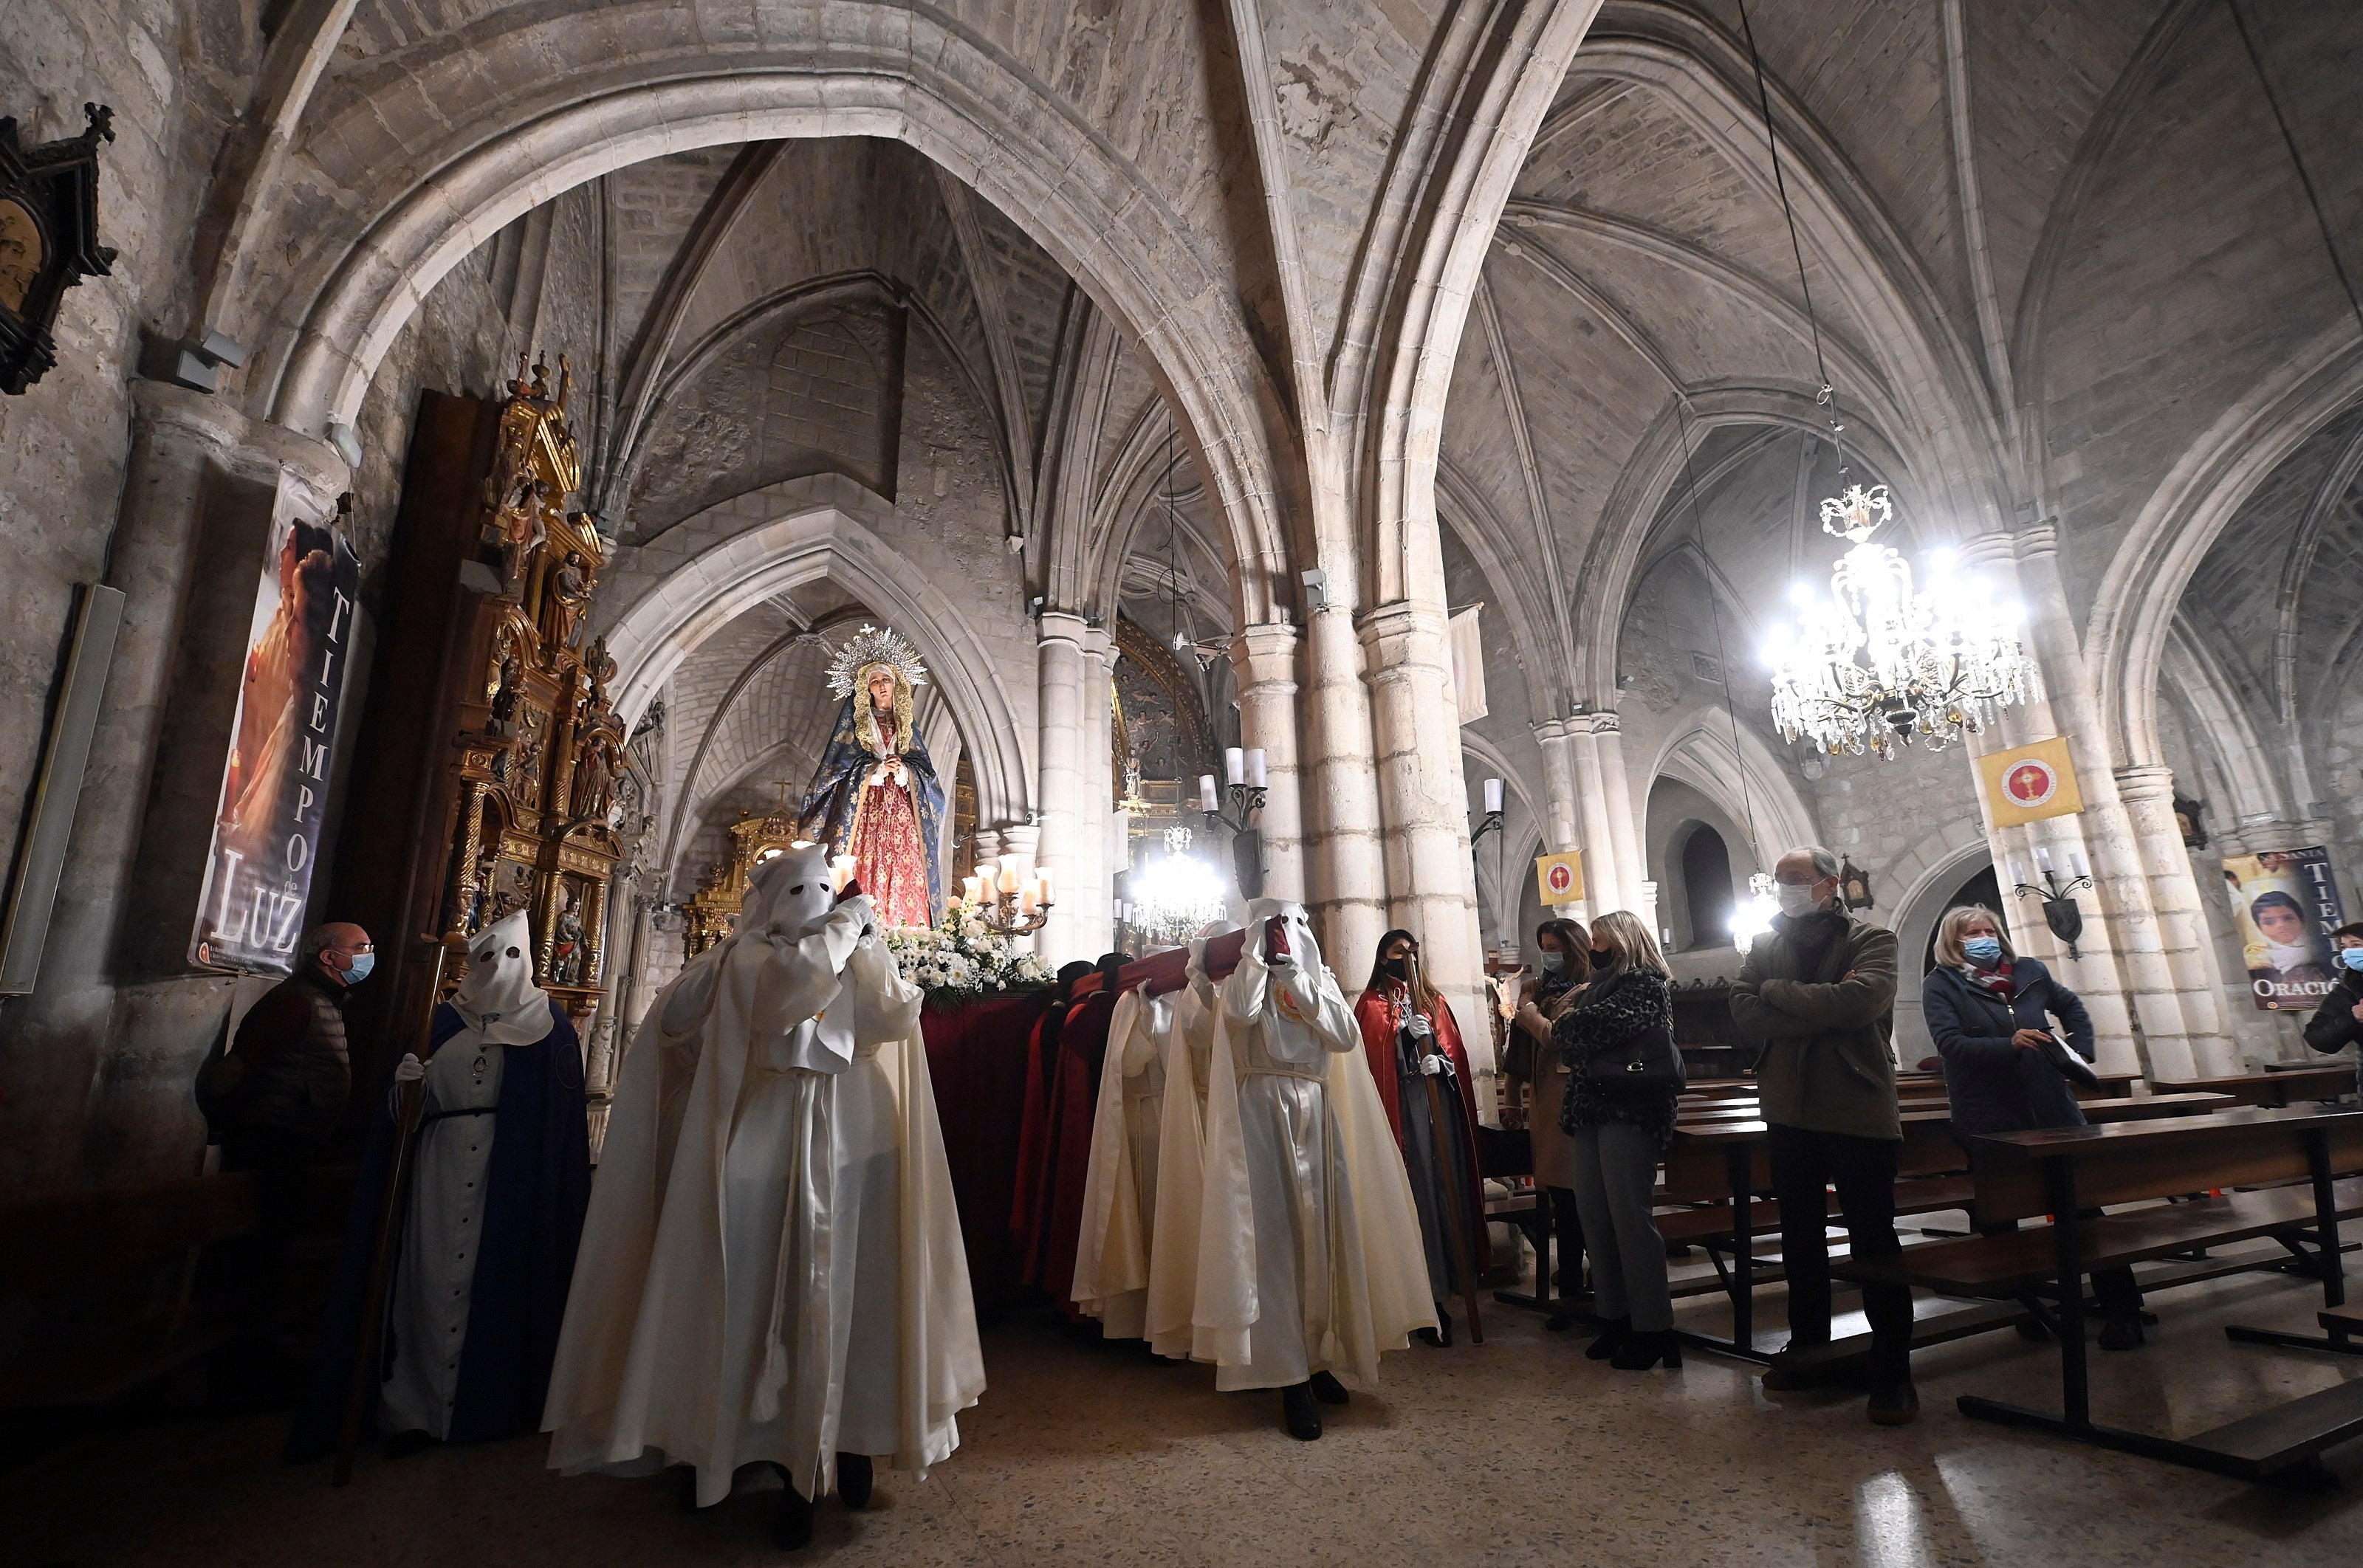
(1795, 900)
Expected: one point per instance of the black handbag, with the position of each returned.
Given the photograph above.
(1646, 1059)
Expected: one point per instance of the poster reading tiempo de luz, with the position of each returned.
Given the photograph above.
(275, 782)
(2286, 904)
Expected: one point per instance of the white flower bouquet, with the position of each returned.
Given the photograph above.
(960, 958)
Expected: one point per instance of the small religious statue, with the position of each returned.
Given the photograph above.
(875, 795)
(504, 698)
(569, 597)
(567, 952)
(594, 781)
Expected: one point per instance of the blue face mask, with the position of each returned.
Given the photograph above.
(2352, 957)
(1554, 962)
(1982, 949)
(362, 963)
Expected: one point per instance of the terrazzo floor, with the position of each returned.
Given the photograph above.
(1516, 1451)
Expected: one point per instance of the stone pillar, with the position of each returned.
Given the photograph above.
(2148, 796)
(1263, 665)
(1344, 869)
(2124, 957)
(1096, 906)
(1059, 666)
(1423, 802)
(1639, 894)
(1562, 812)
(1602, 890)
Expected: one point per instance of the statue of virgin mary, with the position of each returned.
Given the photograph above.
(875, 795)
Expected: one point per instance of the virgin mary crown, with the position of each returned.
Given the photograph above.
(872, 645)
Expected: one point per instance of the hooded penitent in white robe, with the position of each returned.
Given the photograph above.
(1309, 1254)
(771, 1269)
(1180, 1157)
(427, 1308)
(1119, 1237)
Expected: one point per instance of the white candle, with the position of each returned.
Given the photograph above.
(1493, 796)
(2076, 859)
(1207, 800)
(2017, 876)
(1008, 874)
(840, 872)
(1234, 764)
(971, 889)
(1255, 767)
(1025, 902)
(2042, 857)
(1042, 885)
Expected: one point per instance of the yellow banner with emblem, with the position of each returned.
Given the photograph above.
(2031, 782)
(1559, 877)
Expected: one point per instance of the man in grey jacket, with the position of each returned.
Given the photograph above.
(1815, 996)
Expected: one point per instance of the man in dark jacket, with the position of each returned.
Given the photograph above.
(2337, 1021)
(281, 1090)
(1814, 995)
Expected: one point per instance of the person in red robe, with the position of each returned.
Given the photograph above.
(1055, 1160)
(1413, 1043)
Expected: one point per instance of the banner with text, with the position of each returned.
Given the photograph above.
(275, 783)
(2286, 903)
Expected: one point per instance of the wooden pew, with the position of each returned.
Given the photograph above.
(103, 1329)
(2065, 1170)
(2290, 1086)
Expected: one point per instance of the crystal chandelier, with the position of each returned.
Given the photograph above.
(1877, 663)
(1754, 918)
(1177, 894)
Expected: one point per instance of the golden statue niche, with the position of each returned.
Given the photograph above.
(714, 910)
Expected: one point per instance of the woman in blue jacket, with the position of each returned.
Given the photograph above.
(2006, 1070)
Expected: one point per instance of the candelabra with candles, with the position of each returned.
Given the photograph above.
(1488, 824)
(2061, 911)
(1248, 783)
(1008, 902)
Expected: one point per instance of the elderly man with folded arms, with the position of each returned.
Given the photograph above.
(1815, 996)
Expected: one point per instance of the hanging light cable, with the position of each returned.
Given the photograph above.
(1878, 664)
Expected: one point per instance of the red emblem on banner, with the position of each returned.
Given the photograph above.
(1560, 878)
(2031, 782)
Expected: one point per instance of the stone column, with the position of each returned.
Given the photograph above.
(1096, 906)
(1058, 665)
(1602, 890)
(2148, 796)
(1344, 869)
(2123, 951)
(1562, 812)
(1640, 895)
(1424, 804)
(1263, 664)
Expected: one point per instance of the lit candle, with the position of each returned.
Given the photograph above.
(1008, 874)
(840, 872)
(1025, 902)
(970, 888)
(2042, 857)
(1206, 798)
(1234, 764)
(1493, 796)
(1042, 884)
(1255, 767)
(2076, 859)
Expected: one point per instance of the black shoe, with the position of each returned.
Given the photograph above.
(2031, 1328)
(854, 1477)
(1612, 1335)
(792, 1525)
(1563, 1320)
(1786, 1375)
(1328, 1389)
(2121, 1334)
(1640, 1352)
(1298, 1413)
(402, 1445)
(1897, 1404)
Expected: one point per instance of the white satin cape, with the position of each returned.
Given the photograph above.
(638, 1380)
(1377, 1269)
(1181, 1171)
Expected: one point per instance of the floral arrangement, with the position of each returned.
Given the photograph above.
(960, 958)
